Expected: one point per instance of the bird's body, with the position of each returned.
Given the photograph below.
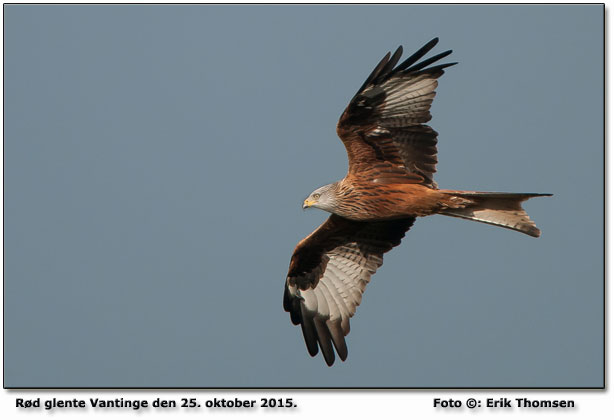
(392, 156)
(365, 200)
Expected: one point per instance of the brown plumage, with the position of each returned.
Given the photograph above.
(392, 156)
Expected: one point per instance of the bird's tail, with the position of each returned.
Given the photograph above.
(499, 209)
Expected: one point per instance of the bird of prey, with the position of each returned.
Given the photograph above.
(392, 155)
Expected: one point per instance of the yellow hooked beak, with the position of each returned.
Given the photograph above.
(308, 203)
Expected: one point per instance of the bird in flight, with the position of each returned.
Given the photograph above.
(392, 155)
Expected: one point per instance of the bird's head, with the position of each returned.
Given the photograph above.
(322, 198)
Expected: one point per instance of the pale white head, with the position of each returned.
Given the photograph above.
(323, 198)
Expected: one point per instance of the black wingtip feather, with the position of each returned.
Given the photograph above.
(287, 301)
(438, 68)
(325, 340)
(384, 72)
(310, 335)
(428, 61)
(375, 73)
(417, 55)
(292, 306)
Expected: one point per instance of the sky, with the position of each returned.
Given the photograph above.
(156, 160)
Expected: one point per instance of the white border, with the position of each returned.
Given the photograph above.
(596, 404)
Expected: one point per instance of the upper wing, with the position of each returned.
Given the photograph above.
(328, 274)
(383, 128)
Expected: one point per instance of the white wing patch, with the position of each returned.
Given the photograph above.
(408, 100)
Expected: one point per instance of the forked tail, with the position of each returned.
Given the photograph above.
(499, 209)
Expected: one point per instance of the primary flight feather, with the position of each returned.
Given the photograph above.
(392, 155)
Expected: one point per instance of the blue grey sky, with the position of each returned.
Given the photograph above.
(156, 159)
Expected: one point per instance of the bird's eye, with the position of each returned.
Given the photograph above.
(316, 196)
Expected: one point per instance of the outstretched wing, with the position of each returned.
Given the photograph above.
(383, 128)
(328, 274)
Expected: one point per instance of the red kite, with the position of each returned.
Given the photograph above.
(392, 155)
